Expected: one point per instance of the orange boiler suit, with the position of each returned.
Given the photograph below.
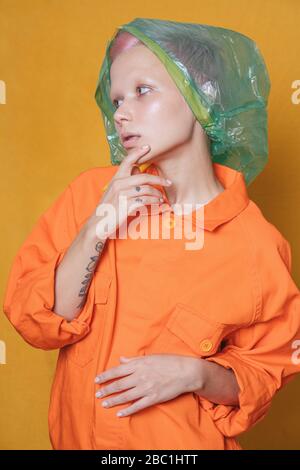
(232, 302)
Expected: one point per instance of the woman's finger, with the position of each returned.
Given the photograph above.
(144, 402)
(126, 167)
(143, 190)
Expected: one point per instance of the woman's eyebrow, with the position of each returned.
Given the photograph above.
(112, 94)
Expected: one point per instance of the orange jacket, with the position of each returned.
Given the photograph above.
(233, 302)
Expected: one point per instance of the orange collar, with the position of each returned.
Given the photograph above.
(225, 206)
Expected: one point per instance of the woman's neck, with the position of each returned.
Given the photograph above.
(195, 183)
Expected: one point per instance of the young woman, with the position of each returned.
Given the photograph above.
(189, 343)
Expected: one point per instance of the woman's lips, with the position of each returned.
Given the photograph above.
(131, 141)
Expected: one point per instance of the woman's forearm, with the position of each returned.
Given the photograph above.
(74, 274)
(218, 384)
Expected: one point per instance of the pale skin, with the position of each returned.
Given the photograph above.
(164, 121)
(160, 115)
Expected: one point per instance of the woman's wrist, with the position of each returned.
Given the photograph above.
(195, 378)
(216, 383)
(91, 232)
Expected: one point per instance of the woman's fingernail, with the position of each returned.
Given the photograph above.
(169, 181)
(145, 147)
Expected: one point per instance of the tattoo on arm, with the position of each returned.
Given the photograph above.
(87, 278)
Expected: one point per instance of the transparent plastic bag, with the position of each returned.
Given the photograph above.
(223, 78)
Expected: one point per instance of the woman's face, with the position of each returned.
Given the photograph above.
(148, 102)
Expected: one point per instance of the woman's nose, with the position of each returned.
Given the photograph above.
(125, 110)
(121, 116)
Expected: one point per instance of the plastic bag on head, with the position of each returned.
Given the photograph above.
(223, 78)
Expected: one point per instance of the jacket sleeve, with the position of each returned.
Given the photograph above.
(262, 355)
(29, 296)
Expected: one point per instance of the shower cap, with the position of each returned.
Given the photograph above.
(222, 77)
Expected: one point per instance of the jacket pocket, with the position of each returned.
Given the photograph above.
(84, 351)
(191, 332)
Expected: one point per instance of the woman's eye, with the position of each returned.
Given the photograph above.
(115, 102)
(143, 87)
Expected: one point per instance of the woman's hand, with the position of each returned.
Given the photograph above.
(135, 188)
(150, 379)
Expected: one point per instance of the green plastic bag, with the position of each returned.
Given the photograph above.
(223, 78)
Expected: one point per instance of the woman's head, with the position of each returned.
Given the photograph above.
(221, 77)
(147, 101)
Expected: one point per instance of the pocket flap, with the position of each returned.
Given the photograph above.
(202, 334)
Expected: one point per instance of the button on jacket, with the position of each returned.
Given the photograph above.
(232, 302)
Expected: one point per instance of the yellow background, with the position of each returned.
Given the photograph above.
(51, 130)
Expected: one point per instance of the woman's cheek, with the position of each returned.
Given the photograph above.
(154, 108)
